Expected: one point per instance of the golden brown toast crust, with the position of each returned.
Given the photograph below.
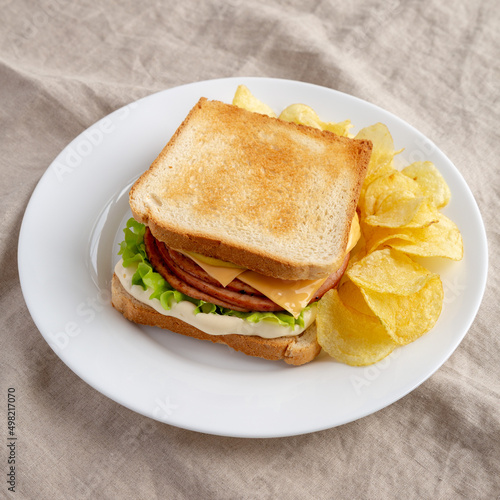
(293, 350)
(268, 195)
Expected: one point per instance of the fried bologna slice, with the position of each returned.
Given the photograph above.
(294, 350)
(268, 195)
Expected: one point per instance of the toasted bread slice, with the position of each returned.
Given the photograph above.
(296, 350)
(268, 195)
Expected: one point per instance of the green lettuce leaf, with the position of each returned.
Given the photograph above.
(133, 252)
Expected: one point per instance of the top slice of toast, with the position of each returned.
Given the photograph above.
(268, 195)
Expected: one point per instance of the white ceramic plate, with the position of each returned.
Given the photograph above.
(67, 250)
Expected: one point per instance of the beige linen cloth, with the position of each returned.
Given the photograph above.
(64, 65)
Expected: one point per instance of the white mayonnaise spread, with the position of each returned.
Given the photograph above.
(213, 324)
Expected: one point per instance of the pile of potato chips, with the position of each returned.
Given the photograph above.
(385, 299)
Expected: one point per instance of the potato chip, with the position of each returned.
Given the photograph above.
(243, 98)
(408, 317)
(301, 114)
(403, 209)
(305, 115)
(349, 336)
(389, 271)
(383, 186)
(442, 239)
(380, 171)
(431, 182)
(383, 143)
(397, 209)
(426, 215)
(351, 295)
(376, 237)
(383, 149)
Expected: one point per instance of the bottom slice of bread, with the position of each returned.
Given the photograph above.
(294, 350)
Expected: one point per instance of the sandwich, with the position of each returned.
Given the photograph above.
(239, 227)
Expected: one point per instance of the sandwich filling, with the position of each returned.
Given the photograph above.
(267, 294)
(212, 323)
(164, 278)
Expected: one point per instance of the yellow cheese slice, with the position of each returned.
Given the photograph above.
(223, 274)
(354, 234)
(291, 295)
